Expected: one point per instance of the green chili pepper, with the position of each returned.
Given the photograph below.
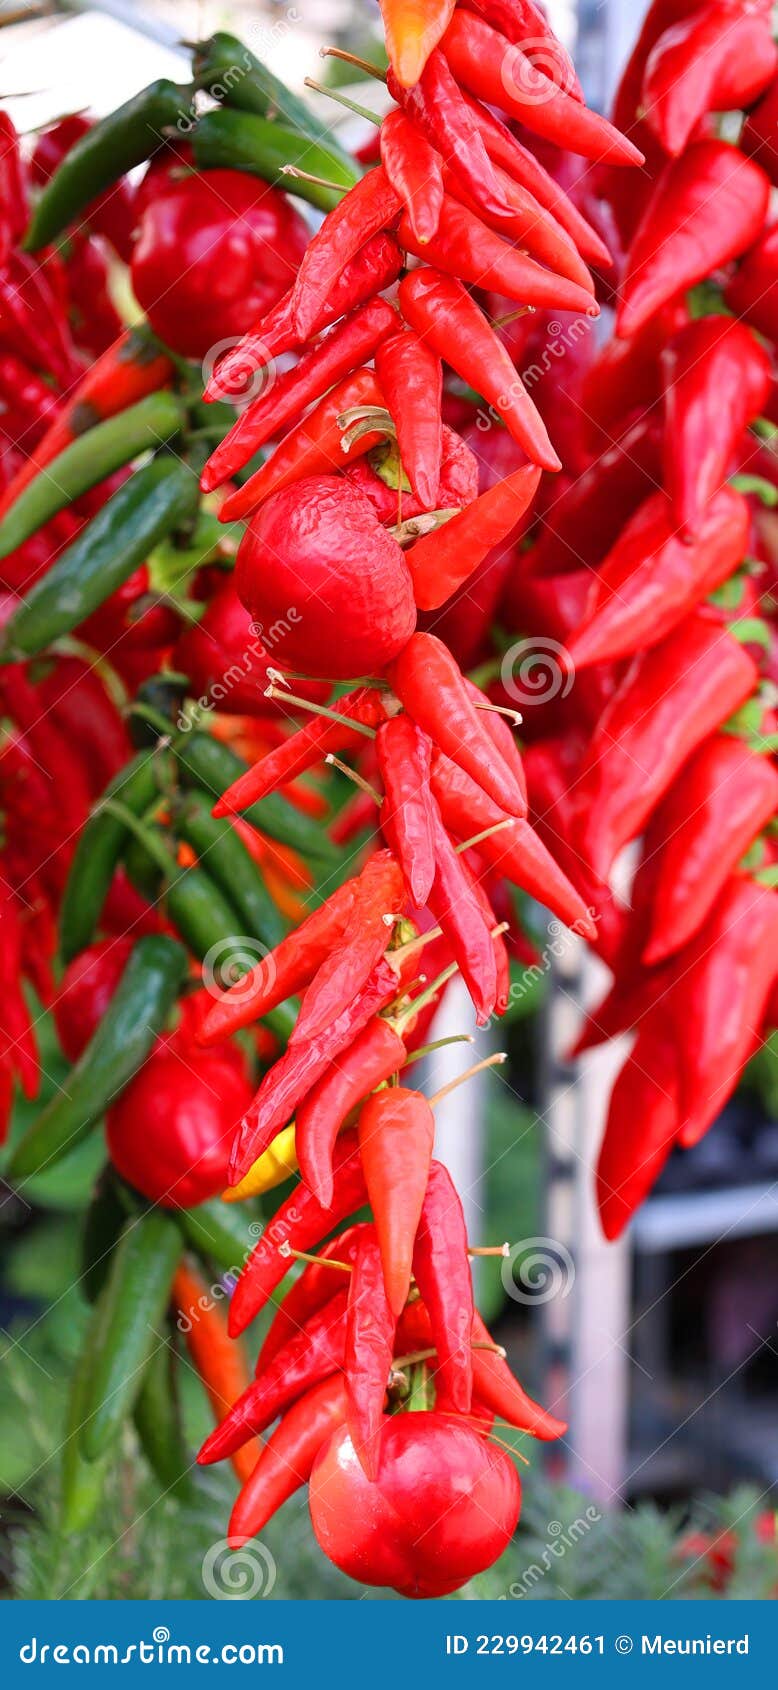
(83, 1482)
(223, 1233)
(129, 1315)
(103, 1223)
(100, 844)
(117, 144)
(87, 461)
(159, 498)
(157, 1416)
(229, 864)
(235, 77)
(236, 140)
(137, 1012)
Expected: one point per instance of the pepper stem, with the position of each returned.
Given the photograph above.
(364, 786)
(321, 1261)
(514, 716)
(495, 1061)
(156, 850)
(319, 710)
(438, 1044)
(412, 1011)
(489, 1250)
(305, 176)
(364, 419)
(487, 834)
(351, 59)
(415, 526)
(341, 99)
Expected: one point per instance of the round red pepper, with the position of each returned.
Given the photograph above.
(170, 1131)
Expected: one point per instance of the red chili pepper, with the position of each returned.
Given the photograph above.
(442, 560)
(642, 1124)
(318, 1284)
(442, 1270)
(369, 1345)
(525, 221)
(626, 377)
(758, 137)
(368, 208)
(375, 1055)
(14, 207)
(93, 317)
(720, 58)
(85, 991)
(415, 171)
(377, 264)
(319, 547)
(459, 912)
(413, 29)
(377, 895)
(753, 290)
(314, 447)
(671, 698)
(302, 750)
(315, 1352)
(396, 1133)
(495, 1388)
(302, 1065)
(466, 247)
(717, 379)
(34, 318)
(526, 170)
(284, 971)
(651, 579)
(516, 852)
(527, 26)
(445, 315)
(286, 1460)
(439, 110)
(707, 207)
(300, 1223)
(407, 818)
(720, 995)
(429, 683)
(411, 378)
(347, 346)
(501, 75)
(191, 1103)
(725, 796)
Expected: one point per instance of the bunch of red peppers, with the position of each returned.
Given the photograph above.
(224, 582)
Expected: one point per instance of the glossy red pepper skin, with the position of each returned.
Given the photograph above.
(415, 171)
(467, 248)
(286, 1460)
(190, 1104)
(439, 111)
(85, 991)
(411, 378)
(494, 1388)
(407, 815)
(719, 58)
(506, 79)
(752, 292)
(441, 561)
(459, 912)
(651, 579)
(505, 149)
(707, 208)
(642, 1124)
(214, 249)
(288, 1081)
(432, 1466)
(318, 1284)
(717, 379)
(378, 897)
(284, 971)
(313, 1354)
(318, 547)
(528, 223)
(301, 1223)
(376, 1054)
(722, 993)
(314, 447)
(446, 315)
(442, 1271)
(758, 137)
(368, 208)
(526, 25)
(370, 1326)
(396, 1132)
(304, 749)
(375, 266)
(712, 815)
(671, 698)
(430, 685)
(345, 347)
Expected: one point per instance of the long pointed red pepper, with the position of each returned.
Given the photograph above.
(407, 817)
(286, 1460)
(448, 318)
(506, 150)
(370, 1326)
(717, 379)
(376, 1054)
(377, 895)
(439, 110)
(314, 1352)
(396, 1131)
(368, 208)
(442, 1271)
(642, 1124)
(442, 560)
(415, 171)
(429, 683)
(304, 749)
(466, 247)
(411, 379)
(318, 1284)
(314, 446)
(460, 913)
(721, 57)
(283, 972)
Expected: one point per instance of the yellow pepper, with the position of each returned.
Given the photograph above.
(270, 1169)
